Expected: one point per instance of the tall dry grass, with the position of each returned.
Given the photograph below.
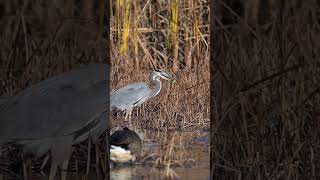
(266, 100)
(184, 104)
(40, 39)
(170, 35)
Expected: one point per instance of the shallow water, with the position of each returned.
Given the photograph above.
(147, 172)
(190, 159)
(195, 150)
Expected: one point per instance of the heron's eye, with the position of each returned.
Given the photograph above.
(158, 70)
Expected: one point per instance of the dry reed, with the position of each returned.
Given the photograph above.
(40, 39)
(266, 94)
(171, 35)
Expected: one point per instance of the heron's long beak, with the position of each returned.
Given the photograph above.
(168, 77)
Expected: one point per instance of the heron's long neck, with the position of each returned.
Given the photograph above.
(157, 88)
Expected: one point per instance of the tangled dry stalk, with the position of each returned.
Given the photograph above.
(182, 105)
(40, 40)
(171, 35)
(267, 96)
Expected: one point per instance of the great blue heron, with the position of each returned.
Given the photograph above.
(126, 146)
(56, 113)
(135, 94)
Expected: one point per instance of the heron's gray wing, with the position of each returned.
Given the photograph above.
(128, 96)
(3, 100)
(57, 106)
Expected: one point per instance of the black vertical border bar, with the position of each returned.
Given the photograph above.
(108, 61)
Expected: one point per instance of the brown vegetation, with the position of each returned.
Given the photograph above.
(40, 39)
(266, 94)
(167, 34)
(171, 35)
(157, 38)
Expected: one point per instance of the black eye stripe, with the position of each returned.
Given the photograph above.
(158, 70)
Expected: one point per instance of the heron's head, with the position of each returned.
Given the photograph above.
(155, 74)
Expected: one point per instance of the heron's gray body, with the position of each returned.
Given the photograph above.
(3, 100)
(61, 110)
(130, 96)
(135, 94)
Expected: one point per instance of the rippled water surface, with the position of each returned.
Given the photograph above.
(187, 160)
(194, 162)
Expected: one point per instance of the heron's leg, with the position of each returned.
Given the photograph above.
(25, 177)
(124, 113)
(89, 157)
(65, 163)
(130, 112)
(54, 162)
(26, 172)
(26, 163)
(127, 114)
(45, 160)
(60, 153)
(53, 169)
